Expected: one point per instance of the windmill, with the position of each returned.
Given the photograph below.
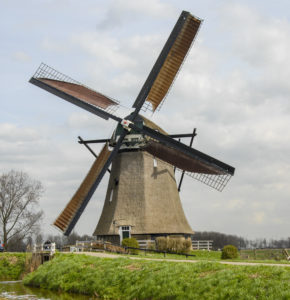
(142, 197)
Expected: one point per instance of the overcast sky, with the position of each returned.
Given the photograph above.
(233, 87)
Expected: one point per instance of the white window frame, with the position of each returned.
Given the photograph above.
(124, 228)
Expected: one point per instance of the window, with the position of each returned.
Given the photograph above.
(111, 195)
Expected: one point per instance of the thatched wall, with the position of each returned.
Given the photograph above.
(144, 197)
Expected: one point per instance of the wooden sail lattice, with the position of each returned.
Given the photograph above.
(173, 63)
(64, 83)
(71, 209)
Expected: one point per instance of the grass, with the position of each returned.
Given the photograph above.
(199, 255)
(211, 256)
(123, 278)
(263, 254)
(12, 265)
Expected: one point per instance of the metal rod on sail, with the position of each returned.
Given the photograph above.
(174, 166)
(183, 172)
(81, 141)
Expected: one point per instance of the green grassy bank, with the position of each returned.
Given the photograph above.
(128, 279)
(12, 265)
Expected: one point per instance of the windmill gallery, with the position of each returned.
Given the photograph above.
(142, 197)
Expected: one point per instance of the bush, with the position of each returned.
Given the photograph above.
(131, 242)
(98, 245)
(229, 252)
(151, 246)
(114, 248)
(173, 244)
(187, 246)
(161, 243)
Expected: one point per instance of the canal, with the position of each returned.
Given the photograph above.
(16, 290)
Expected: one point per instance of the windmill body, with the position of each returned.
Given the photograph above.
(142, 198)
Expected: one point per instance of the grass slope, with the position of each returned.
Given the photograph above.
(127, 279)
(12, 265)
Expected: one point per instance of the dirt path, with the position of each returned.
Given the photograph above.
(101, 254)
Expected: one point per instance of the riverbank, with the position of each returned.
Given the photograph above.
(123, 278)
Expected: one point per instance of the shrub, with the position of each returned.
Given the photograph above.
(114, 248)
(151, 246)
(187, 245)
(173, 244)
(229, 252)
(161, 243)
(131, 242)
(98, 245)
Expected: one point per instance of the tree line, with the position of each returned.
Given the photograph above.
(221, 239)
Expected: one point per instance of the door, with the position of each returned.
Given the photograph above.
(125, 232)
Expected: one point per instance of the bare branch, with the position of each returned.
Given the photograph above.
(19, 196)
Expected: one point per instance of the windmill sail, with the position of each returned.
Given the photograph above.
(69, 89)
(65, 219)
(170, 60)
(181, 160)
(81, 92)
(206, 172)
(173, 61)
(199, 165)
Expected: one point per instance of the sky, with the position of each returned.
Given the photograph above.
(233, 87)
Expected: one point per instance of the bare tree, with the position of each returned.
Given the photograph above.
(39, 239)
(19, 214)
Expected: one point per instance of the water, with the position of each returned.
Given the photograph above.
(15, 290)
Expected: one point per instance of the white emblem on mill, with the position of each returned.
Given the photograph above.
(126, 123)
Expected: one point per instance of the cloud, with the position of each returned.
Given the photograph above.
(121, 11)
(21, 56)
(263, 43)
(52, 45)
(12, 132)
(259, 217)
(125, 62)
(100, 45)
